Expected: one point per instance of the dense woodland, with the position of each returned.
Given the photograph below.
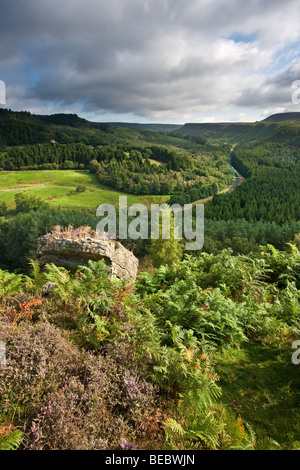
(18, 234)
(272, 188)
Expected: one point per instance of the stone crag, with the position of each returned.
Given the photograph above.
(70, 253)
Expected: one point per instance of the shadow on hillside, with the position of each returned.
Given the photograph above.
(261, 384)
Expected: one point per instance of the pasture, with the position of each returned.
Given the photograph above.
(58, 187)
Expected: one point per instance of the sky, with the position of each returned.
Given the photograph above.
(151, 61)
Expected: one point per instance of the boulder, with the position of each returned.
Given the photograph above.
(70, 253)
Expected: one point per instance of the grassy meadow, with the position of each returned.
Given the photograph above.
(58, 187)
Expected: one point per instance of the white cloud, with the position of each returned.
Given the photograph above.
(167, 60)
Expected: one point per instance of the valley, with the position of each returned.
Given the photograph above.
(196, 354)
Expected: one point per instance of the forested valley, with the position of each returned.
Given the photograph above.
(197, 353)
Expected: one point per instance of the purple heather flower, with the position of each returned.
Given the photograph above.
(125, 445)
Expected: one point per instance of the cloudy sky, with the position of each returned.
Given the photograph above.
(168, 61)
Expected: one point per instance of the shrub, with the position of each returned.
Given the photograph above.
(67, 398)
(80, 189)
(73, 233)
(3, 209)
(26, 203)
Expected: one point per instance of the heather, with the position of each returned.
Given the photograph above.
(63, 397)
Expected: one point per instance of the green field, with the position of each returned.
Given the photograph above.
(55, 186)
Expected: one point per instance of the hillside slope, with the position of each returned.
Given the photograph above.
(283, 126)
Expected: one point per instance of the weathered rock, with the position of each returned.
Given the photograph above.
(70, 253)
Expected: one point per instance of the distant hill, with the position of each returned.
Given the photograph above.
(281, 117)
(149, 127)
(279, 127)
(231, 132)
(23, 128)
(71, 120)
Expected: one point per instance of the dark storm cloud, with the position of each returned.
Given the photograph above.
(158, 59)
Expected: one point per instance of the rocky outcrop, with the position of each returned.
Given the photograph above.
(70, 253)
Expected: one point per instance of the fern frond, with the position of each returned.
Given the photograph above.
(37, 275)
(11, 441)
(173, 426)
